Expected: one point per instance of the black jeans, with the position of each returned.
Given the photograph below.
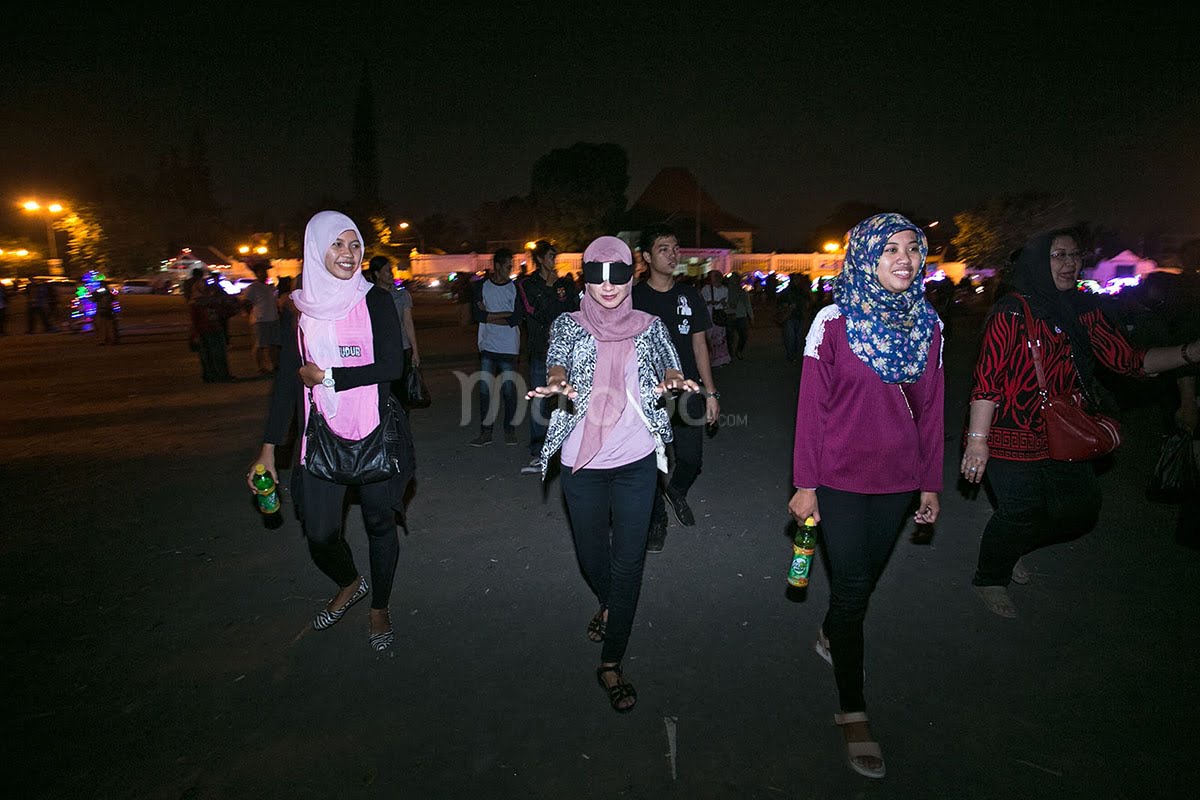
(1037, 503)
(612, 565)
(858, 532)
(687, 424)
(322, 512)
(739, 327)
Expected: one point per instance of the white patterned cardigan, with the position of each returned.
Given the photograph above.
(574, 349)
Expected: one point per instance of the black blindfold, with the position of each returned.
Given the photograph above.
(614, 272)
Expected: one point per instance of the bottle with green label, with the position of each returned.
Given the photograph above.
(803, 547)
(264, 484)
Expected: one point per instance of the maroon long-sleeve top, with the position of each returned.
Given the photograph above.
(858, 434)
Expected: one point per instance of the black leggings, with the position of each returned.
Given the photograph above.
(612, 565)
(323, 511)
(858, 532)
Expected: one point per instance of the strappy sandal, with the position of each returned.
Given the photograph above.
(619, 690)
(857, 750)
(598, 627)
(325, 617)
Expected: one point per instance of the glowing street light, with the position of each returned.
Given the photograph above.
(244, 249)
(405, 226)
(831, 247)
(48, 211)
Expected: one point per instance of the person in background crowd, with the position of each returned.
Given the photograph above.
(210, 308)
(545, 296)
(614, 363)
(190, 285)
(716, 297)
(499, 313)
(869, 425)
(739, 315)
(680, 307)
(287, 309)
(794, 310)
(380, 273)
(1040, 501)
(261, 304)
(106, 316)
(39, 306)
(350, 354)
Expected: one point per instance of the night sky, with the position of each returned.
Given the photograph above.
(781, 113)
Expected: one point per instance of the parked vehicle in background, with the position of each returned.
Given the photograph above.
(137, 286)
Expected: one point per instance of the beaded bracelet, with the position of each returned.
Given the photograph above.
(980, 435)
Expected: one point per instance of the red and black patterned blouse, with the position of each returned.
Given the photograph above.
(1005, 375)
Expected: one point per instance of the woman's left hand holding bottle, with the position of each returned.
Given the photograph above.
(266, 457)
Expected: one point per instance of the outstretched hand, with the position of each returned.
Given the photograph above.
(551, 389)
(677, 384)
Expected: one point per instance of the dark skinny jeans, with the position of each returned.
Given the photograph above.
(858, 532)
(612, 565)
(1037, 503)
(687, 425)
(323, 510)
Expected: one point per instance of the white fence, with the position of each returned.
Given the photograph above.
(691, 261)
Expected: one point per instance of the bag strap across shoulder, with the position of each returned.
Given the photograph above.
(1035, 346)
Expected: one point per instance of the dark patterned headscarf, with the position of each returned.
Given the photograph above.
(890, 332)
(1058, 308)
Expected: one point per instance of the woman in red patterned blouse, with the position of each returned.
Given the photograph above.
(1040, 501)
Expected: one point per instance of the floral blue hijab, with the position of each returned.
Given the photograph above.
(890, 332)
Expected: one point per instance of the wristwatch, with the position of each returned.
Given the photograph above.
(327, 381)
(715, 395)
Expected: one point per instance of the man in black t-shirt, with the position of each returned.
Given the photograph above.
(545, 297)
(682, 310)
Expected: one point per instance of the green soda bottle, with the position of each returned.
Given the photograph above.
(803, 547)
(264, 484)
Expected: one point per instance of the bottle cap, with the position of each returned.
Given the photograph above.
(810, 522)
(259, 469)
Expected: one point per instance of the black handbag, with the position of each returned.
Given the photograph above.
(353, 462)
(416, 394)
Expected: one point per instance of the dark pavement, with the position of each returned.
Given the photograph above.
(157, 639)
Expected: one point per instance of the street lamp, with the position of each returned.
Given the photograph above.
(404, 226)
(48, 211)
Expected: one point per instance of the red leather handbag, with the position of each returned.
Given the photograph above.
(1072, 433)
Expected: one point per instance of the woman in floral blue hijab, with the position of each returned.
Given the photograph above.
(889, 331)
(869, 441)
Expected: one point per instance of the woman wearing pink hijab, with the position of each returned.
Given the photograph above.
(613, 363)
(349, 336)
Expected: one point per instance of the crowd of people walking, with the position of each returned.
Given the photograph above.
(621, 384)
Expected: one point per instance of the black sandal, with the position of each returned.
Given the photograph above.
(619, 690)
(598, 627)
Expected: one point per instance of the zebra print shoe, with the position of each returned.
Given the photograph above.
(382, 641)
(325, 617)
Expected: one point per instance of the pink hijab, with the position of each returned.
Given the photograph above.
(614, 330)
(324, 299)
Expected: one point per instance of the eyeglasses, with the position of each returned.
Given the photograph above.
(1061, 255)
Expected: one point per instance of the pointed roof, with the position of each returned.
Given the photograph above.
(673, 196)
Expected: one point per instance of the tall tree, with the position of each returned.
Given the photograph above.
(989, 233)
(578, 193)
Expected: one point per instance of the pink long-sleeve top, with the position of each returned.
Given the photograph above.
(858, 434)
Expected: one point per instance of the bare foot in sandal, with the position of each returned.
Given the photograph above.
(863, 751)
(598, 626)
(621, 694)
